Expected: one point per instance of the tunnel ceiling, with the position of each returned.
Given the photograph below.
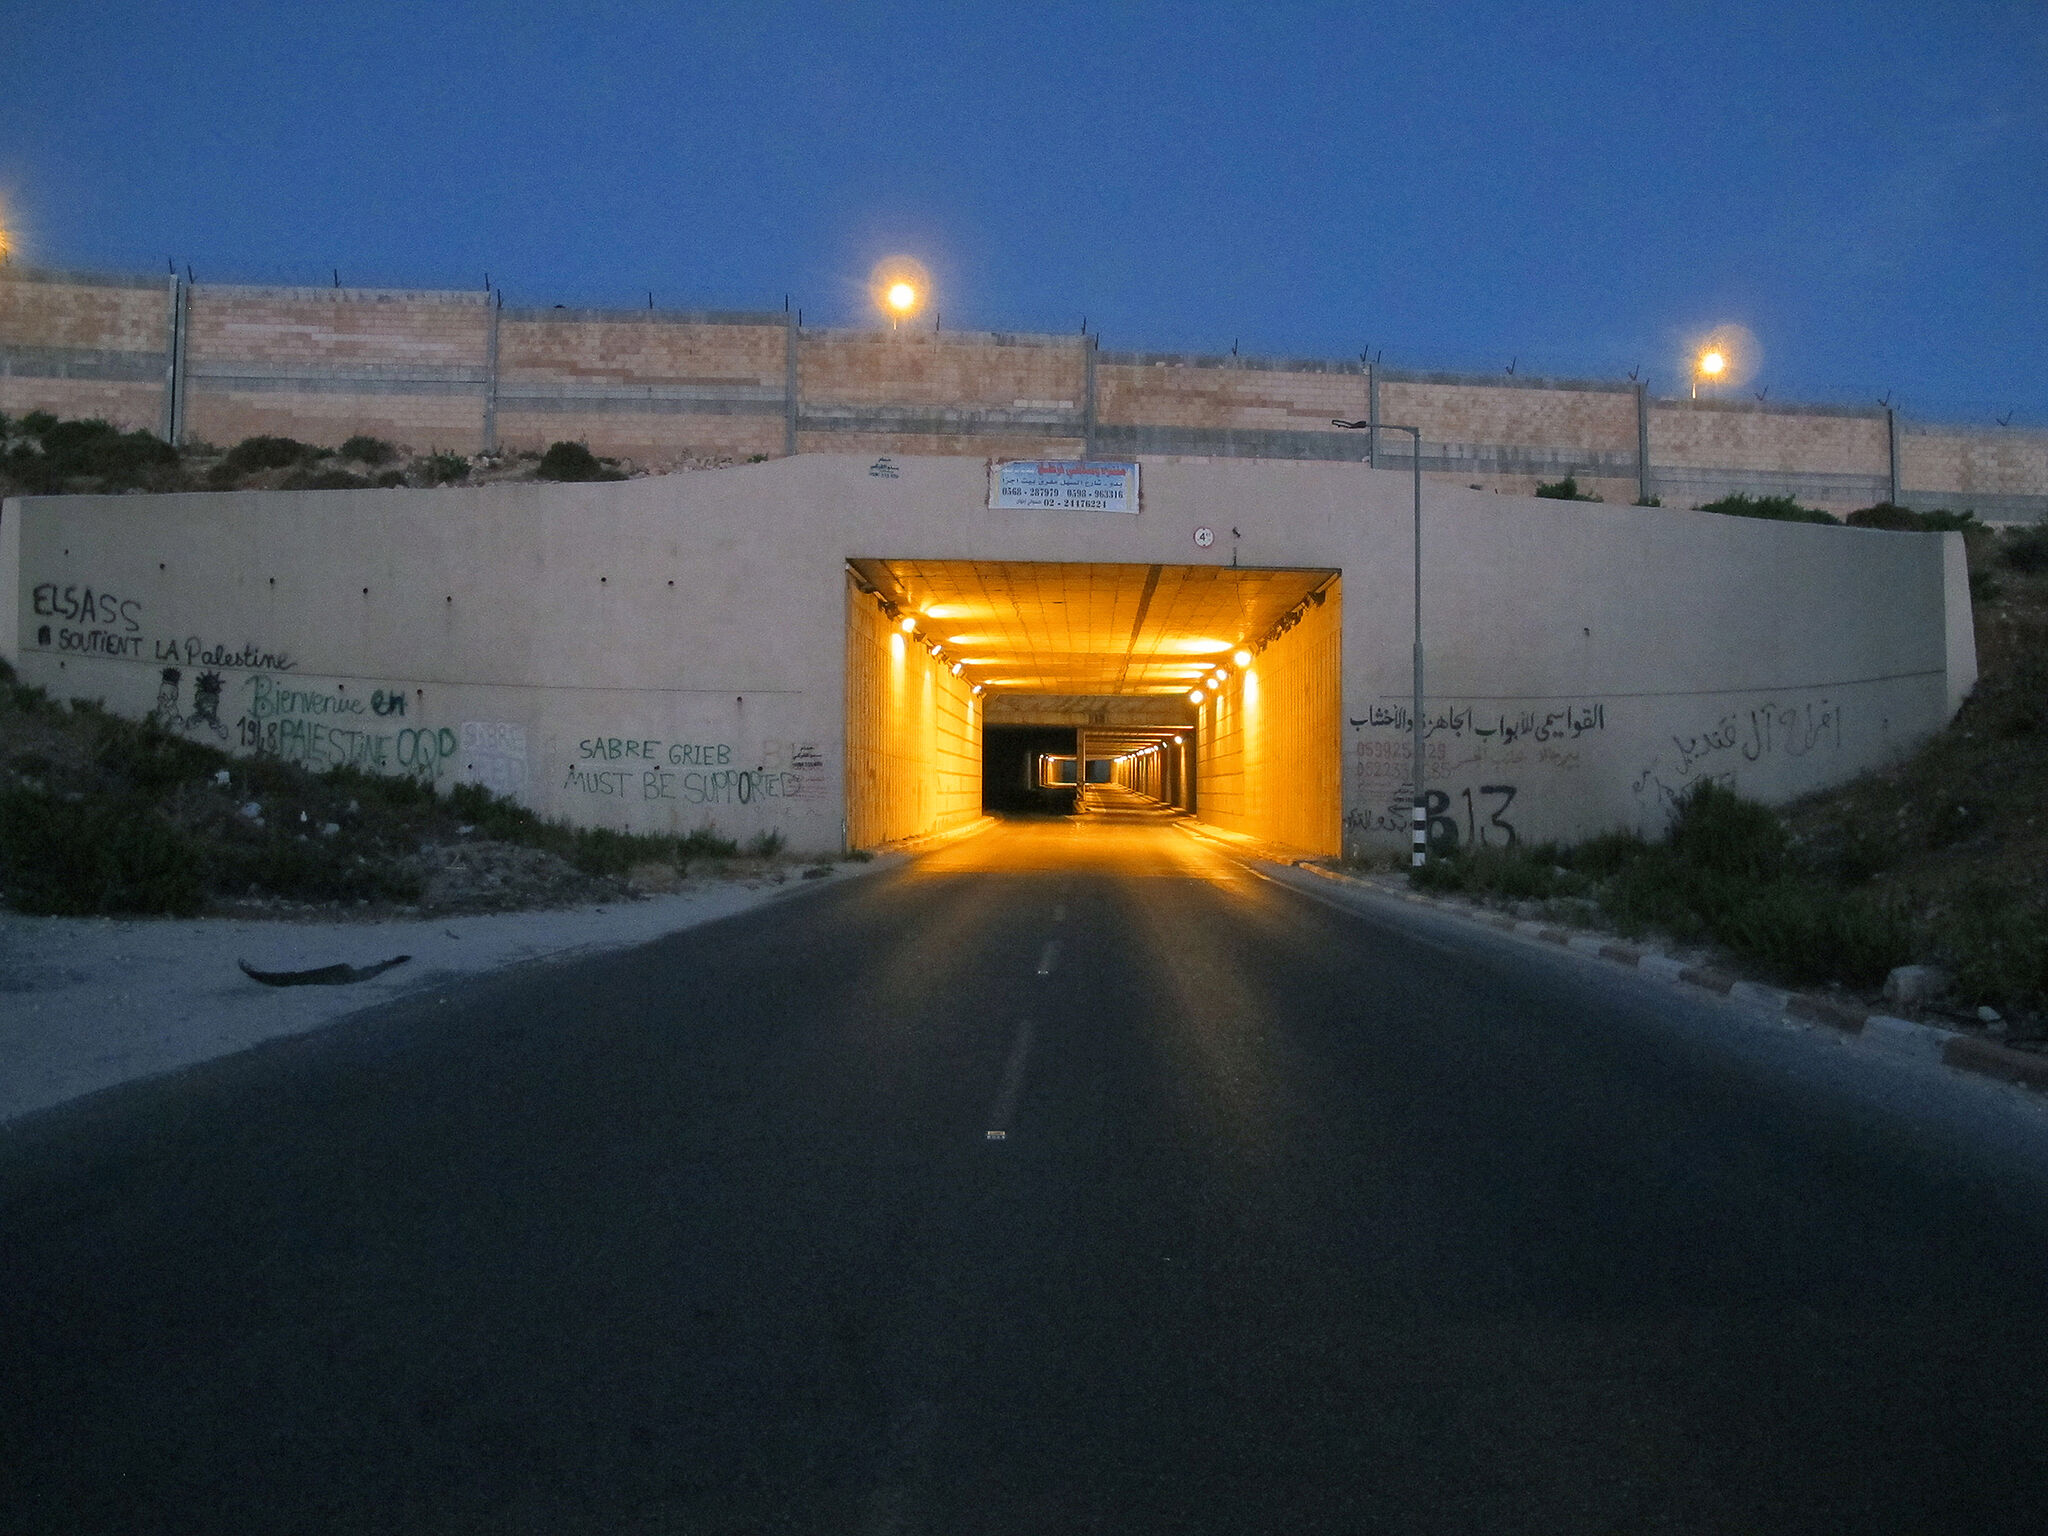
(1032, 627)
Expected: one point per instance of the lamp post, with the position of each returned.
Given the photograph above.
(1420, 817)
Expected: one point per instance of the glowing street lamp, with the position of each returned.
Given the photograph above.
(900, 288)
(1711, 364)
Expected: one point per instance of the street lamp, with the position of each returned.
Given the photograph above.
(1711, 365)
(1418, 815)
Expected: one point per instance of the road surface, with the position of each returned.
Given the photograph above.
(1076, 1177)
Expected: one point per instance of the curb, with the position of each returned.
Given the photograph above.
(1881, 1031)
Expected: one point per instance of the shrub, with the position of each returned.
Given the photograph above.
(252, 454)
(373, 451)
(325, 480)
(1998, 945)
(704, 843)
(2026, 550)
(573, 461)
(1779, 509)
(1649, 501)
(1899, 519)
(101, 856)
(98, 448)
(1566, 489)
(91, 449)
(441, 468)
(1718, 831)
(765, 845)
(390, 479)
(1805, 931)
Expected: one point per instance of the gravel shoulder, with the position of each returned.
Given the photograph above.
(90, 1003)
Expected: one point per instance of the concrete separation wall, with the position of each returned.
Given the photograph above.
(666, 652)
(454, 370)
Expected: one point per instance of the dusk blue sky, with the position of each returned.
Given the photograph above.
(1577, 188)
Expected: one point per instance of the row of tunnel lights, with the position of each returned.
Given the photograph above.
(908, 623)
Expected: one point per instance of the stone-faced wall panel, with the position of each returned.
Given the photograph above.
(50, 310)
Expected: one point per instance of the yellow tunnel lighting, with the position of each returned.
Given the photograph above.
(957, 669)
(1243, 658)
(1195, 695)
(908, 623)
(977, 688)
(1193, 647)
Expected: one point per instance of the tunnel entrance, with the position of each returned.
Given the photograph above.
(1012, 687)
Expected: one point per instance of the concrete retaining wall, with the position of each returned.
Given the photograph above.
(663, 652)
(452, 370)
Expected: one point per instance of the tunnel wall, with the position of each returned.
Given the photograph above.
(1270, 741)
(658, 653)
(913, 734)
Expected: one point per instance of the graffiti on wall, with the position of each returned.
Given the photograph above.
(493, 754)
(99, 622)
(1539, 725)
(329, 726)
(1718, 749)
(701, 772)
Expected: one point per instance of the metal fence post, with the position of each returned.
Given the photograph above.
(789, 381)
(494, 302)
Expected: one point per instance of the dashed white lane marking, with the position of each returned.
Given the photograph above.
(1047, 956)
(1004, 1110)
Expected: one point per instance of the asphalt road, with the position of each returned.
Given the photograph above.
(1302, 1219)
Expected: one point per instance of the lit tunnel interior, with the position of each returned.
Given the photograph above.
(1018, 687)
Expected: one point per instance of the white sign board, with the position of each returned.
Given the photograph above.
(1063, 485)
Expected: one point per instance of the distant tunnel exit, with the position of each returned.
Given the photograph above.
(999, 686)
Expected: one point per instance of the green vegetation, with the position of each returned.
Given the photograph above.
(1777, 509)
(100, 815)
(55, 454)
(574, 461)
(373, 451)
(258, 453)
(41, 455)
(1566, 489)
(441, 469)
(1906, 520)
(1725, 872)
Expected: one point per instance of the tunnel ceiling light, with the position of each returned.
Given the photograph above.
(978, 688)
(908, 623)
(1195, 695)
(1243, 658)
(958, 669)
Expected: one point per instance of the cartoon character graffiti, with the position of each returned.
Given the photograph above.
(206, 691)
(206, 705)
(165, 711)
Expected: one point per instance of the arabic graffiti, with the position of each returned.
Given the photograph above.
(1794, 730)
(1574, 720)
(1718, 751)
